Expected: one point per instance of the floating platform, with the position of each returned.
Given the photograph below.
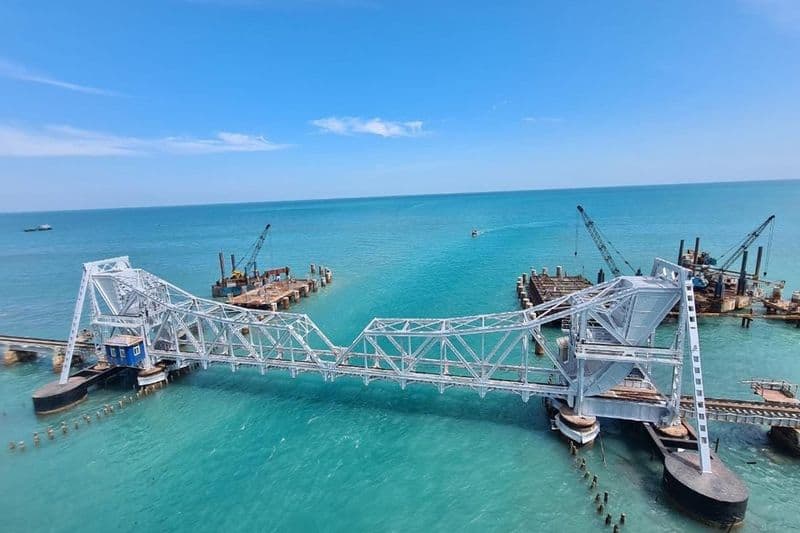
(543, 288)
(786, 310)
(708, 304)
(239, 283)
(282, 293)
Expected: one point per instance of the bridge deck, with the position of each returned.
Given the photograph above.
(746, 412)
(18, 341)
(720, 409)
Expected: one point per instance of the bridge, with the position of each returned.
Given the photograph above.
(37, 343)
(16, 348)
(604, 364)
(610, 336)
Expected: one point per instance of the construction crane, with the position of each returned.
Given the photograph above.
(603, 245)
(748, 240)
(251, 257)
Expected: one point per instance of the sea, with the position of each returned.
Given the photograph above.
(223, 451)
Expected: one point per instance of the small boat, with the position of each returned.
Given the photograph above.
(474, 232)
(40, 227)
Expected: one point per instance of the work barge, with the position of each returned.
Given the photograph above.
(719, 288)
(271, 289)
(277, 290)
(602, 366)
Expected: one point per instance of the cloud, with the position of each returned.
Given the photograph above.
(66, 141)
(543, 120)
(14, 71)
(783, 13)
(373, 126)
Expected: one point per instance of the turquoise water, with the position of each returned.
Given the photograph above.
(242, 452)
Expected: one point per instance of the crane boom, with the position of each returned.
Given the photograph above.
(600, 242)
(250, 265)
(748, 240)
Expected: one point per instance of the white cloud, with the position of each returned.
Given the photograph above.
(14, 71)
(55, 141)
(543, 120)
(372, 126)
(782, 13)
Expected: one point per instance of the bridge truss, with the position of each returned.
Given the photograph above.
(610, 334)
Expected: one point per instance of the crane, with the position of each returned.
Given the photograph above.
(600, 241)
(252, 257)
(748, 240)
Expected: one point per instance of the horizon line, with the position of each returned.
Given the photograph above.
(413, 195)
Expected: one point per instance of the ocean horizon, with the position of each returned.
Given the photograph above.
(413, 195)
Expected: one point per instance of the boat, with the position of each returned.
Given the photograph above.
(40, 227)
(474, 233)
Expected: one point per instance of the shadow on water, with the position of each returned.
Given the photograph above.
(351, 393)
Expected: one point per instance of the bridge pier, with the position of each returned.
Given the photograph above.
(718, 498)
(151, 376)
(787, 438)
(54, 397)
(581, 430)
(12, 357)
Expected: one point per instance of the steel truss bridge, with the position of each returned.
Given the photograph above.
(610, 335)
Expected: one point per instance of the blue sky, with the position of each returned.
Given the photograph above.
(193, 101)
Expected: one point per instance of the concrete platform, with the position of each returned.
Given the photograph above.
(55, 397)
(718, 498)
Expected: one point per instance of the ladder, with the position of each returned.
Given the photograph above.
(697, 378)
(73, 332)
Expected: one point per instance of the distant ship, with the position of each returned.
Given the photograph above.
(40, 227)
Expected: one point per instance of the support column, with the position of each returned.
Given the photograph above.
(742, 285)
(757, 271)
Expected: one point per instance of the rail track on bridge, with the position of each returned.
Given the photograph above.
(14, 340)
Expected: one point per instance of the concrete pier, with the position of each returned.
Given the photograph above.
(55, 396)
(718, 498)
(18, 356)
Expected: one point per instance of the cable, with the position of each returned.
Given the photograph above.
(769, 246)
(619, 254)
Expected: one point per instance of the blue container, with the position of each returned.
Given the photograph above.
(125, 350)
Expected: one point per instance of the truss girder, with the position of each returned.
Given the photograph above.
(486, 352)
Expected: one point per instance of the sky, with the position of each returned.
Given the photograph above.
(111, 104)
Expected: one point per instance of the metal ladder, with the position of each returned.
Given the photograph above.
(73, 332)
(697, 376)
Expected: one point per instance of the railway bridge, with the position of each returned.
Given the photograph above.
(603, 365)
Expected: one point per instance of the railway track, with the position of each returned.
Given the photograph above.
(746, 412)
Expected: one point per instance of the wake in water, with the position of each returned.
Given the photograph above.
(518, 226)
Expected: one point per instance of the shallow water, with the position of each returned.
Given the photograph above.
(243, 452)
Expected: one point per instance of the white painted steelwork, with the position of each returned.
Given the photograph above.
(611, 335)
